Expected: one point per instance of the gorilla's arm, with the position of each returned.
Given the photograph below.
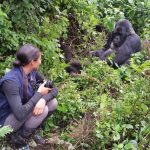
(100, 52)
(108, 41)
(123, 53)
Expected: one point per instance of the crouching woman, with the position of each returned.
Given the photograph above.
(22, 107)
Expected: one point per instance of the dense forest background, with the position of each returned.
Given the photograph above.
(102, 108)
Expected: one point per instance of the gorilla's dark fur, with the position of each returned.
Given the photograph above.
(122, 41)
(74, 68)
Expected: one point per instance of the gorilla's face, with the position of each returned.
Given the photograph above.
(120, 29)
(117, 41)
(120, 32)
(123, 27)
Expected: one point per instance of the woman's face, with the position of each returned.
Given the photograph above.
(36, 63)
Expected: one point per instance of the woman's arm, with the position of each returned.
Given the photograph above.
(11, 91)
(52, 94)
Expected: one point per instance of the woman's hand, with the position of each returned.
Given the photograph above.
(39, 107)
(43, 90)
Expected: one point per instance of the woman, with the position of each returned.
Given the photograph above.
(22, 107)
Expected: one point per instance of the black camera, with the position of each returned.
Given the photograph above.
(48, 84)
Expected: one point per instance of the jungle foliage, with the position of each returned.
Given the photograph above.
(102, 108)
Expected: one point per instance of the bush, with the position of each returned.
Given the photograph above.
(4, 131)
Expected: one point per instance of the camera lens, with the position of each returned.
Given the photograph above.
(49, 84)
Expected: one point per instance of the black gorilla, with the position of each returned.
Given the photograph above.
(122, 41)
(74, 67)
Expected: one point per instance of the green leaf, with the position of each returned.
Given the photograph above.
(128, 146)
(131, 1)
(62, 108)
(128, 126)
(120, 146)
(116, 137)
(4, 131)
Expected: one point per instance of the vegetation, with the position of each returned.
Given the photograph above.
(102, 108)
(4, 131)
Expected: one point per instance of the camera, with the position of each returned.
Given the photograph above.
(48, 84)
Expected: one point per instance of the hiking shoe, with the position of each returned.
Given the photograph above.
(17, 141)
(38, 139)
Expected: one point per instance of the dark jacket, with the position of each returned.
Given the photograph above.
(16, 75)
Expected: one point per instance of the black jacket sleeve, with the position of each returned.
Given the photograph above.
(11, 91)
(51, 95)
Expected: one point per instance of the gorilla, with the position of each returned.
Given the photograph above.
(66, 50)
(121, 42)
(74, 68)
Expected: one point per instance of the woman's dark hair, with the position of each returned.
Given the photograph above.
(25, 55)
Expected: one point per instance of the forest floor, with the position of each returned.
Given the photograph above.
(81, 131)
